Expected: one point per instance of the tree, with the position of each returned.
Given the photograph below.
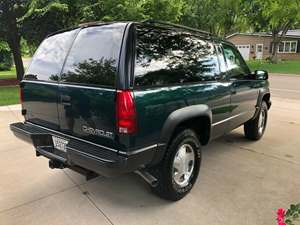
(137, 10)
(275, 16)
(33, 20)
(220, 17)
(42, 18)
(10, 13)
(5, 56)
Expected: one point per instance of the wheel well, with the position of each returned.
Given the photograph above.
(201, 125)
(266, 98)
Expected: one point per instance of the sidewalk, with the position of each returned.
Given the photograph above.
(10, 108)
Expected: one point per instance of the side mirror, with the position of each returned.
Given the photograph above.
(261, 75)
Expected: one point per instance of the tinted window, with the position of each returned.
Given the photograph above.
(49, 58)
(94, 56)
(222, 62)
(236, 65)
(168, 57)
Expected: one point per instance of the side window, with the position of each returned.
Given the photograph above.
(222, 62)
(236, 66)
(48, 60)
(94, 56)
(166, 57)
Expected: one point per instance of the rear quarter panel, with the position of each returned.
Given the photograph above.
(154, 105)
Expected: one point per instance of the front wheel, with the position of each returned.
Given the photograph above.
(180, 167)
(254, 129)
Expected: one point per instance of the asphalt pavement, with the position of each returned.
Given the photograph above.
(285, 86)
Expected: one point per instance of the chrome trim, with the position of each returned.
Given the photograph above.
(138, 150)
(39, 82)
(229, 118)
(86, 87)
(101, 146)
(161, 144)
(68, 85)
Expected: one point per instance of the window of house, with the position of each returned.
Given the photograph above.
(293, 46)
(281, 47)
(287, 47)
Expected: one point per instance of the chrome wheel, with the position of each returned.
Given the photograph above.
(261, 121)
(183, 165)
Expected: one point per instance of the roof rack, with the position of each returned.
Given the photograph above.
(151, 21)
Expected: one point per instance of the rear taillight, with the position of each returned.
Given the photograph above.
(125, 112)
(21, 95)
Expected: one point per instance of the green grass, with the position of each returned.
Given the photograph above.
(9, 95)
(8, 74)
(285, 67)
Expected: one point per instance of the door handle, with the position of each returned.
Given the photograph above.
(233, 91)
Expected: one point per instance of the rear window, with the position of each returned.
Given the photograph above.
(94, 56)
(165, 57)
(48, 60)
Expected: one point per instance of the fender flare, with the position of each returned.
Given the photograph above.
(262, 93)
(174, 119)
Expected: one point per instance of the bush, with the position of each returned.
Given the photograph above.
(6, 61)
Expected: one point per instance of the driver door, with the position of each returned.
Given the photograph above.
(244, 92)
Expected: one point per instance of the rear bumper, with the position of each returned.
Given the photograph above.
(96, 158)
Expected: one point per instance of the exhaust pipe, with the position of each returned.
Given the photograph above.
(147, 177)
(54, 164)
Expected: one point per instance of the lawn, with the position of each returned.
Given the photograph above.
(285, 67)
(9, 95)
(8, 74)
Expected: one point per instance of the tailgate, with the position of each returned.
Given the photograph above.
(88, 113)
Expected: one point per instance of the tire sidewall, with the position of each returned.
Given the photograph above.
(265, 108)
(191, 140)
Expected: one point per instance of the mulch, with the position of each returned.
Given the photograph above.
(8, 82)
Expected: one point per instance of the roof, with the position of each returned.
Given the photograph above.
(179, 28)
(155, 23)
(290, 34)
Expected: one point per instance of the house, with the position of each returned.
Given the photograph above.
(259, 45)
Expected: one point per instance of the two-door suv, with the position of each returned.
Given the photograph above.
(113, 98)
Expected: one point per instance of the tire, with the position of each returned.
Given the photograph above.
(254, 129)
(183, 147)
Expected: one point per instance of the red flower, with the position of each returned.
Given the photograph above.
(280, 216)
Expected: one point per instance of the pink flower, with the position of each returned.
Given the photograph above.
(281, 212)
(280, 216)
(281, 223)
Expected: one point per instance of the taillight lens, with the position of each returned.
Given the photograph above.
(126, 113)
(21, 95)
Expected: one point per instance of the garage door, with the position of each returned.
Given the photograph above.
(244, 50)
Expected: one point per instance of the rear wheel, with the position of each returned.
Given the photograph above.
(254, 129)
(179, 169)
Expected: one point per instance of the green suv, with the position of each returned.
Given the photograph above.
(114, 98)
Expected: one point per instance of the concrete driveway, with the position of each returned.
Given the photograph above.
(241, 182)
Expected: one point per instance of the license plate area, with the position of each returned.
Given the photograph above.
(60, 143)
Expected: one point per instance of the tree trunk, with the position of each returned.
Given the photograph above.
(274, 58)
(15, 47)
(276, 41)
(13, 39)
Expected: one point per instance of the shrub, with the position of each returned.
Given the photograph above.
(5, 56)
